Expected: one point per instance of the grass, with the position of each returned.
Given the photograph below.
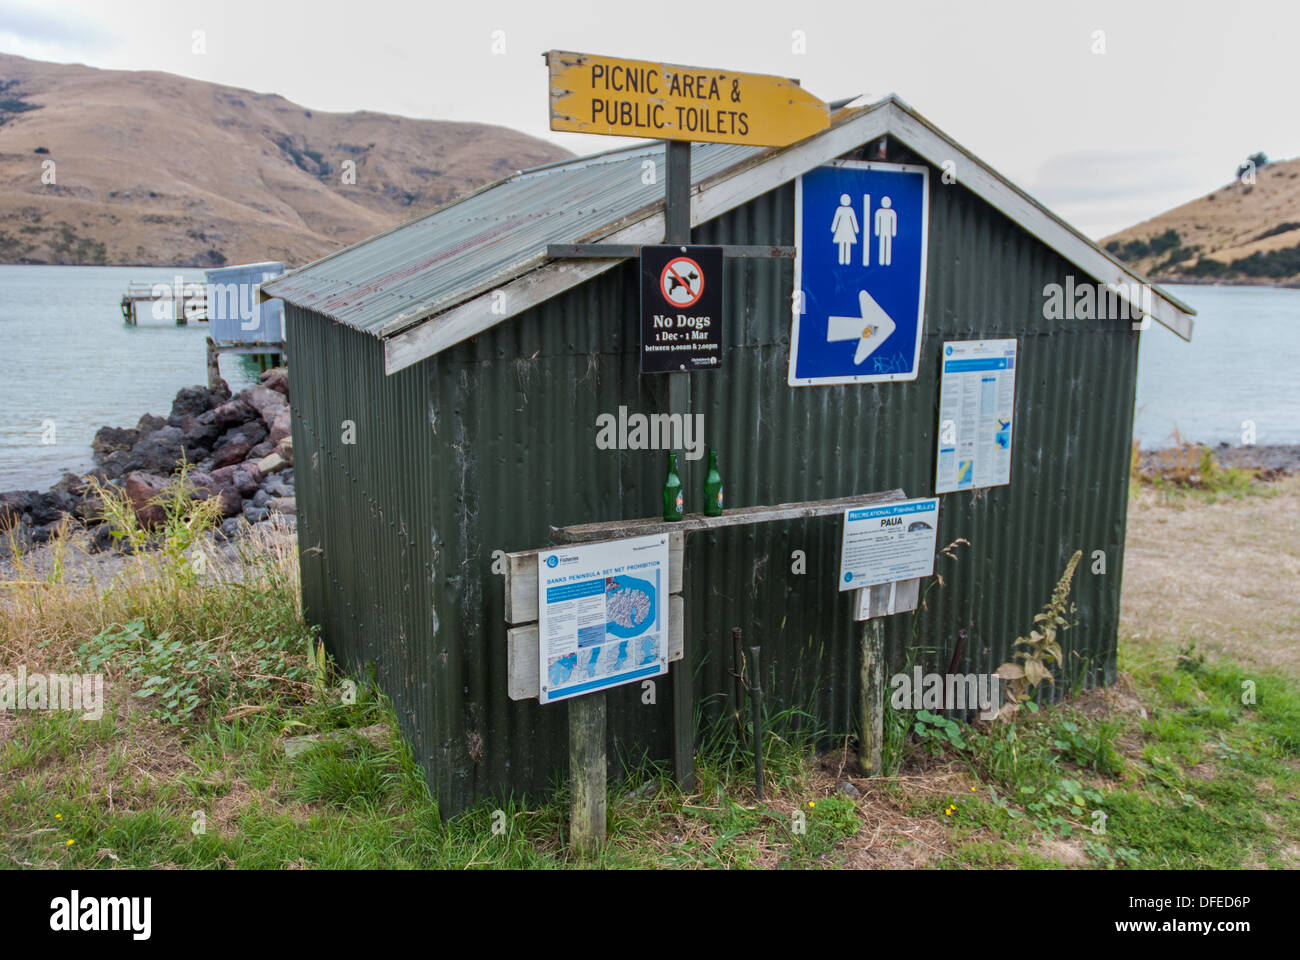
(1191, 761)
(1190, 471)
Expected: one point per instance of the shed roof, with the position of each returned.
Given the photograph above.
(432, 282)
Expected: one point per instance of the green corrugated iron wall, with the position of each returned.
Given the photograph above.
(486, 446)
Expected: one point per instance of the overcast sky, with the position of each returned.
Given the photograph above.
(1182, 92)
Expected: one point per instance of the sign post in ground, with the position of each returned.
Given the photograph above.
(679, 105)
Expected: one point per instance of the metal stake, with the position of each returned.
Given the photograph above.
(756, 708)
(738, 684)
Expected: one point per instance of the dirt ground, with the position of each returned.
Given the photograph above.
(1225, 575)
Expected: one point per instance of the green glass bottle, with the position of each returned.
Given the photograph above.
(674, 500)
(713, 487)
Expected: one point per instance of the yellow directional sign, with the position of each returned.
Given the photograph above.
(664, 101)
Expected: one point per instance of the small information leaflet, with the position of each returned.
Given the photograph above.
(681, 308)
(977, 395)
(894, 541)
(602, 615)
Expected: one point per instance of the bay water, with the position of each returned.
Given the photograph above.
(70, 366)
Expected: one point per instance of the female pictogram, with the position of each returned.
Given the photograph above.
(844, 228)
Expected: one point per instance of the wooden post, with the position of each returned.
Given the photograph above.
(587, 771)
(677, 229)
(871, 710)
(214, 367)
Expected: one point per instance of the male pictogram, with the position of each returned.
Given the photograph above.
(886, 230)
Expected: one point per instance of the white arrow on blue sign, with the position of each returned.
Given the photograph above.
(859, 273)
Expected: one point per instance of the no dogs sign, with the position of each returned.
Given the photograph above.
(681, 308)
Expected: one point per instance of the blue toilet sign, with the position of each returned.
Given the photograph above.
(859, 274)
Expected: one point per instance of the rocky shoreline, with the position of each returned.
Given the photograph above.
(239, 448)
(1268, 462)
(241, 452)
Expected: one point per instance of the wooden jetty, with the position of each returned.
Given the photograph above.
(189, 300)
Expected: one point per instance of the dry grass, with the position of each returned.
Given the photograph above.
(138, 769)
(1223, 574)
(57, 597)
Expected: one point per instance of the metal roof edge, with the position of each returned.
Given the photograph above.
(1059, 223)
(889, 115)
(267, 294)
(421, 313)
(725, 190)
(589, 158)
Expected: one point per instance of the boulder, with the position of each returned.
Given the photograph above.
(261, 499)
(232, 451)
(73, 484)
(277, 378)
(13, 505)
(237, 444)
(255, 514)
(89, 509)
(109, 440)
(254, 430)
(263, 449)
(198, 437)
(49, 507)
(190, 401)
(148, 424)
(204, 486)
(281, 426)
(283, 505)
(285, 449)
(118, 464)
(272, 463)
(265, 401)
(102, 538)
(142, 489)
(232, 527)
(244, 477)
(251, 474)
(230, 413)
(219, 391)
(276, 487)
(159, 452)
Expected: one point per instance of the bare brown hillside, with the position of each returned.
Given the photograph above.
(1240, 232)
(151, 168)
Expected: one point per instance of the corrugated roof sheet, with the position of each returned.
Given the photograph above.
(394, 281)
(422, 267)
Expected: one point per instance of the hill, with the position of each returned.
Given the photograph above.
(1241, 232)
(151, 168)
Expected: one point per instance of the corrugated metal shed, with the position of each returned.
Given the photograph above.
(229, 294)
(486, 443)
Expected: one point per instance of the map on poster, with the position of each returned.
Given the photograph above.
(977, 398)
(602, 615)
